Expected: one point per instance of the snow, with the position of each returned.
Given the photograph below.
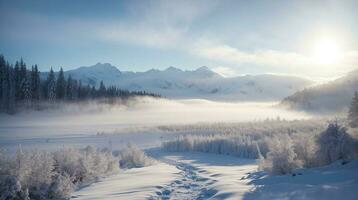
(131, 184)
(335, 181)
(200, 83)
(215, 176)
(193, 175)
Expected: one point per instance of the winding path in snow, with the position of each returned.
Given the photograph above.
(177, 176)
(190, 185)
(205, 176)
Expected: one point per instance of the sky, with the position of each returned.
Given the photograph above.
(315, 39)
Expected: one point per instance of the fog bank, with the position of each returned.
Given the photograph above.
(89, 118)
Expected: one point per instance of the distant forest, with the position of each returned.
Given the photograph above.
(21, 87)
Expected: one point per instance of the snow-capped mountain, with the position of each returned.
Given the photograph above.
(200, 83)
(333, 96)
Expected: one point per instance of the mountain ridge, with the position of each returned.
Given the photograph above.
(198, 83)
(333, 96)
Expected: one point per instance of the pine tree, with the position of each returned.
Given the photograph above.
(93, 92)
(353, 111)
(26, 90)
(5, 88)
(24, 83)
(74, 89)
(51, 86)
(61, 86)
(2, 72)
(8, 90)
(79, 91)
(35, 83)
(102, 90)
(69, 88)
(17, 79)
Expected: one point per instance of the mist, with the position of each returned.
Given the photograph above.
(93, 117)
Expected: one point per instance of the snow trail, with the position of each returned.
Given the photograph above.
(191, 184)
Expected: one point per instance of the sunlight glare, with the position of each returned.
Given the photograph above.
(327, 51)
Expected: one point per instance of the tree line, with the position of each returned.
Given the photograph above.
(20, 86)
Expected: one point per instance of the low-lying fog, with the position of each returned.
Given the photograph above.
(79, 124)
(91, 118)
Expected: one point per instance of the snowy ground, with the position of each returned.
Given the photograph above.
(177, 176)
(205, 176)
(334, 182)
(191, 175)
(136, 183)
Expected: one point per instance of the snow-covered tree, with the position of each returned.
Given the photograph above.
(26, 90)
(334, 144)
(51, 86)
(69, 88)
(61, 86)
(281, 158)
(102, 89)
(35, 83)
(61, 187)
(2, 75)
(132, 157)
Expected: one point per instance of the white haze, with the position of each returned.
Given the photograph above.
(89, 118)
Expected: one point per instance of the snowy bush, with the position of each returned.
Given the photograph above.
(334, 144)
(132, 157)
(35, 174)
(38, 174)
(281, 145)
(62, 186)
(281, 158)
(243, 146)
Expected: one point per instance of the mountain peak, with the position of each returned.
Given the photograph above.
(103, 65)
(173, 69)
(203, 69)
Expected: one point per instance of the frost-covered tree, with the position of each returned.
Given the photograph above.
(35, 83)
(334, 144)
(281, 158)
(8, 89)
(2, 75)
(69, 88)
(25, 93)
(353, 111)
(17, 80)
(61, 187)
(26, 90)
(61, 86)
(51, 86)
(132, 157)
(102, 89)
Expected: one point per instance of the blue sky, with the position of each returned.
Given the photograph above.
(229, 36)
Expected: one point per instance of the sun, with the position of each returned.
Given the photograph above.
(327, 51)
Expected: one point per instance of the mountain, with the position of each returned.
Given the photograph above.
(200, 83)
(333, 96)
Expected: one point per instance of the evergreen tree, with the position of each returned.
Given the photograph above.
(102, 90)
(93, 92)
(79, 90)
(17, 80)
(35, 83)
(8, 89)
(51, 86)
(61, 86)
(2, 72)
(26, 90)
(24, 83)
(69, 88)
(74, 89)
(353, 111)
